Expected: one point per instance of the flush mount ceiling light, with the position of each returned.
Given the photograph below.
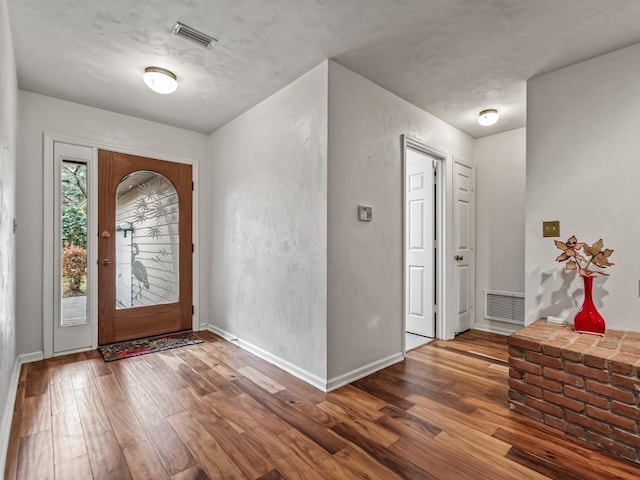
(160, 80)
(488, 117)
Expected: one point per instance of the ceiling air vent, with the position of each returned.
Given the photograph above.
(185, 31)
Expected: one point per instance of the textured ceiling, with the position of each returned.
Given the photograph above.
(449, 57)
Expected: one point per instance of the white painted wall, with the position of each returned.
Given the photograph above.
(583, 168)
(268, 231)
(8, 131)
(500, 209)
(39, 114)
(365, 259)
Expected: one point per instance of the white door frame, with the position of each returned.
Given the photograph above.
(87, 155)
(443, 219)
(51, 255)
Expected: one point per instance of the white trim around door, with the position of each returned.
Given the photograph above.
(51, 254)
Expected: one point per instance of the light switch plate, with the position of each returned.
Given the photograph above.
(551, 229)
(365, 214)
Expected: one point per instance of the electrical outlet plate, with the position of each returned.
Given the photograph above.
(551, 229)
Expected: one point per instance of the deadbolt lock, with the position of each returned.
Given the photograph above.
(105, 234)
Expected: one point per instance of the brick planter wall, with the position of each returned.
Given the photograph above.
(585, 385)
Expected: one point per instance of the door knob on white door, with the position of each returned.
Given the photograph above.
(459, 258)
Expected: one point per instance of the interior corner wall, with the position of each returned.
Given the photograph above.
(500, 210)
(8, 132)
(365, 258)
(583, 152)
(39, 114)
(268, 238)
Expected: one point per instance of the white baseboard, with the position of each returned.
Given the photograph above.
(285, 365)
(30, 357)
(498, 330)
(70, 352)
(222, 333)
(10, 402)
(361, 372)
(310, 378)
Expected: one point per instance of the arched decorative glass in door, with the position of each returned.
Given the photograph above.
(147, 241)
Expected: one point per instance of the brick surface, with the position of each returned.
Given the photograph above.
(592, 359)
(574, 352)
(588, 423)
(525, 366)
(527, 411)
(611, 418)
(584, 385)
(525, 344)
(553, 349)
(623, 363)
(590, 398)
(563, 377)
(610, 342)
(524, 388)
(631, 439)
(516, 396)
(545, 407)
(545, 360)
(564, 426)
(516, 352)
(543, 382)
(579, 369)
(626, 382)
(563, 401)
(612, 446)
(614, 393)
(588, 340)
(630, 411)
(633, 349)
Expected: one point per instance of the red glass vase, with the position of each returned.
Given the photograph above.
(588, 319)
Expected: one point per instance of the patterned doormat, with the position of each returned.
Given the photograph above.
(142, 346)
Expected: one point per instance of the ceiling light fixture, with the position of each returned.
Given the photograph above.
(160, 80)
(488, 117)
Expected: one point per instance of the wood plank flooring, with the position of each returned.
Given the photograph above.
(213, 411)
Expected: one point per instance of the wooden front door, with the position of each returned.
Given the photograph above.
(144, 247)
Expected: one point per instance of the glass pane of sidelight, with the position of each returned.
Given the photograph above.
(74, 243)
(147, 241)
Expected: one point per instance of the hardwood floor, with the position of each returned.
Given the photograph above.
(213, 411)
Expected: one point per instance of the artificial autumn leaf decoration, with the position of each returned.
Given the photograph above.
(571, 253)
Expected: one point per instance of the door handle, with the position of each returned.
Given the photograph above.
(105, 262)
(459, 258)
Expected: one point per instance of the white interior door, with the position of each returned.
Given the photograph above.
(463, 237)
(419, 232)
(73, 248)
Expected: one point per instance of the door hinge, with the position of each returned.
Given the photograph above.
(193, 248)
(193, 186)
(193, 310)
